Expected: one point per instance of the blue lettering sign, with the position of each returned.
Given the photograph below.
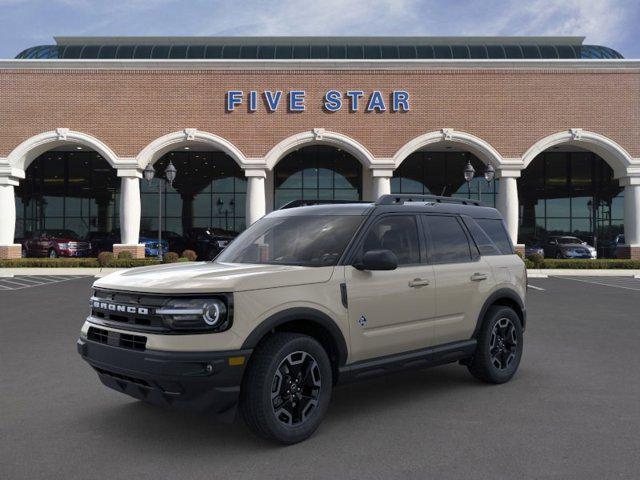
(296, 100)
(273, 99)
(400, 101)
(354, 97)
(253, 101)
(333, 101)
(234, 97)
(376, 102)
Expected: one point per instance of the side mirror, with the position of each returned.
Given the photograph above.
(553, 242)
(378, 260)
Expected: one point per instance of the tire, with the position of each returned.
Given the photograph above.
(500, 343)
(282, 416)
(53, 253)
(558, 255)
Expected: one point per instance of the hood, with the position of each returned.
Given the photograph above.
(152, 240)
(574, 245)
(66, 240)
(209, 277)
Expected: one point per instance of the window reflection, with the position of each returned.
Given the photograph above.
(209, 191)
(73, 190)
(317, 173)
(441, 173)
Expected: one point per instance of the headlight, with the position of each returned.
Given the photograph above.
(63, 246)
(204, 314)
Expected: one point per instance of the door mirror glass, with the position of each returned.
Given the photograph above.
(378, 260)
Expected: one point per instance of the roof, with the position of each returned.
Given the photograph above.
(300, 48)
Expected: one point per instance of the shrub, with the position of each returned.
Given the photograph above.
(183, 260)
(598, 264)
(520, 254)
(104, 258)
(125, 255)
(537, 260)
(190, 255)
(170, 257)
(49, 262)
(528, 263)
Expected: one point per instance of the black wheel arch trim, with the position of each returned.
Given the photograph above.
(495, 297)
(312, 315)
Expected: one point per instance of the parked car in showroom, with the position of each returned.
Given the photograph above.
(208, 242)
(102, 241)
(533, 248)
(176, 242)
(151, 246)
(568, 247)
(54, 244)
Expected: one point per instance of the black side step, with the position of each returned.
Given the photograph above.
(425, 357)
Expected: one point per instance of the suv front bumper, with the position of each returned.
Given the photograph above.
(200, 381)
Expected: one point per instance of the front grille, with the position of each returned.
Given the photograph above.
(98, 335)
(127, 310)
(117, 339)
(134, 342)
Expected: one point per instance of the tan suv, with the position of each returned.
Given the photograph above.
(310, 297)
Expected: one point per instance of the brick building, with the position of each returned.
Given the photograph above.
(252, 123)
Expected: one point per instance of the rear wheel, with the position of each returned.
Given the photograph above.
(500, 343)
(53, 253)
(287, 388)
(558, 255)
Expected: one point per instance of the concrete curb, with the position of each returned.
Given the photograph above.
(566, 272)
(49, 272)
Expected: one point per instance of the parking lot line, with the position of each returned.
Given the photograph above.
(535, 288)
(600, 283)
(22, 282)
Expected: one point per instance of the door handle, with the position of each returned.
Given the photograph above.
(476, 277)
(419, 282)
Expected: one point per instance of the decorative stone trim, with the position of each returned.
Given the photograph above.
(190, 133)
(447, 134)
(318, 133)
(137, 251)
(628, 252)
(62, 133)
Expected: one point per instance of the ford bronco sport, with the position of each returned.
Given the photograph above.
(310, 297)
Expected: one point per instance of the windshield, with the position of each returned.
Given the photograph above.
(313, 241)
(569, 240)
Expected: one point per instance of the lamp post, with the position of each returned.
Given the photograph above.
(469, 173)
(489, 174)
(170, 175)
(220, 204)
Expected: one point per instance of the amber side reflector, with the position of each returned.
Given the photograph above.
(236, 361)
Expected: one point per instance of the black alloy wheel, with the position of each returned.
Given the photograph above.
(296, 388)
(504, 343)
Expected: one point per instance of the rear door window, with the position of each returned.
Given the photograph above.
(485, 245)
(448, 242)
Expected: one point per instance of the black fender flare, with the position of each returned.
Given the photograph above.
(312, 315)
(496, 297)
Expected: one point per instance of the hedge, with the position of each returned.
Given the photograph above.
(75, 262)
(596, 264)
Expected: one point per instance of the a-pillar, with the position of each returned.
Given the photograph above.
(381, 183)
(256, 200)
(8, 249)
(507, 203)
(129, 213)
(631, 247)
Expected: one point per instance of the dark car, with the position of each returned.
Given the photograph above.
(568, 247)
(532, 248)
(208, 242)
(102, 241)
(174, 241)
(55, 243)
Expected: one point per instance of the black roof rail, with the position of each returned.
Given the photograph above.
(307, 203)
(403, 198)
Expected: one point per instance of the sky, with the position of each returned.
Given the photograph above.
(613, 23)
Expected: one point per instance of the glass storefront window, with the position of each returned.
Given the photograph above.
(72, 190)
(441, 173)
(208, 191)
(570, 193)
(317, 173)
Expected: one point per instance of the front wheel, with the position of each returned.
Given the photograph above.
(53, 253)
(499, 349)
(287, 387)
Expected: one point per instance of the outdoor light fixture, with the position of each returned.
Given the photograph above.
(489, 173)
(170, 174)
(469, 173)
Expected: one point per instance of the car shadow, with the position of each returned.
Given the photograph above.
(149, 426)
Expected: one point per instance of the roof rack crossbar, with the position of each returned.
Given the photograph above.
(403, 198)
(306, 203)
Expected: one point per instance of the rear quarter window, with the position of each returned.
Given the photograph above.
(496, 231)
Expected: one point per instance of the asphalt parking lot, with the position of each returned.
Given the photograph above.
(573, 411)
